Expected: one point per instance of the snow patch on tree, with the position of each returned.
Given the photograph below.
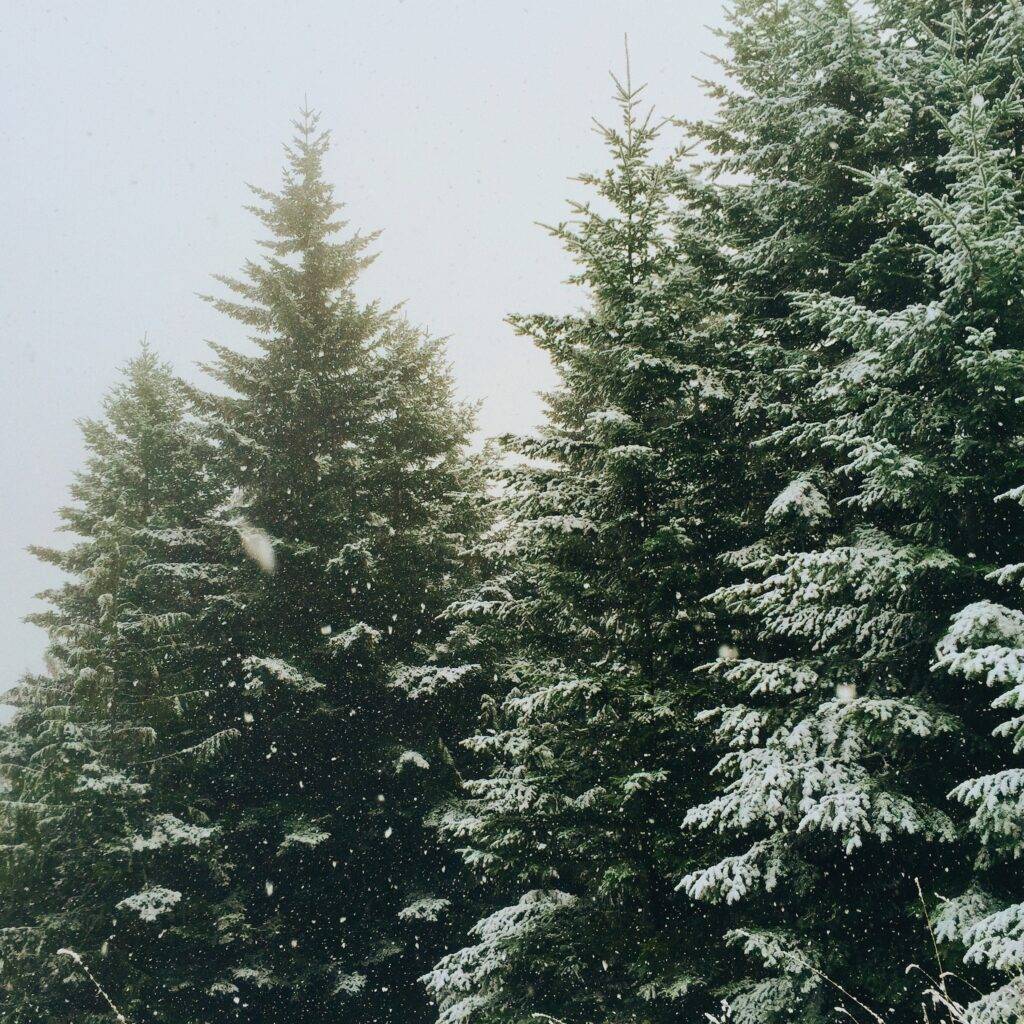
(426, 908)
(168, 831)
(800, 499)
(151, 902)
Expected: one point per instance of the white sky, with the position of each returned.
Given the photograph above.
(128, 130)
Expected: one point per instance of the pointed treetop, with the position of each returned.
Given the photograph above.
(628, 99)
(309, 144)
(308, 273)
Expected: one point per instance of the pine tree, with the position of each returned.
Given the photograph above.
(591, 626)
(216, 799)
(895, 426)
(985, 644)
(96, 827)
(804, 105)
(981, 223)
(343, 448)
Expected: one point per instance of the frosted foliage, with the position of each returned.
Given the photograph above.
(349, 984)
(979, 628)
(151, 902)
(773, 948)
(425, 681)
(359, 634)
(411, 759)
(469, 980)
(997, 939)
(426, 908)
(804, 350)
(1001, 1006)
(837, 597)
(610, 418)
(858, 369)
(985, 644)
(279, 670)
(674, 988)
(762, 1001)
(998, 804)
(563, 524)
(261, 977)
(168, 830)
(799, 499)
(809, 776)
(305, 836)
(108, 782)
(732, 878)
(759, 678)
(539, 702)
(955, 916)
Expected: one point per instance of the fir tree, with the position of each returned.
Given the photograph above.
(236, 719)
(985, 644)
(343, 447)
(592, 625)
(97, 829)
(981, 224)
(842, 744)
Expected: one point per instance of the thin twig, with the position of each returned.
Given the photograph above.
(835, 984)
(931, 930)
(77, 957)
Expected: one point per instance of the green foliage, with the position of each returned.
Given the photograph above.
(898, 423)
(223, 723)
(591, 626)
(97, 827)
(344, 452)
(727, 668)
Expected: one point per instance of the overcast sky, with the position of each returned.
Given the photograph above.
(128, 131)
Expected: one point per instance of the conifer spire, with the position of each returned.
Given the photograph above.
(592, 624)
(343, 447)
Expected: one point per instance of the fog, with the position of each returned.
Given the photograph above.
(129, 131)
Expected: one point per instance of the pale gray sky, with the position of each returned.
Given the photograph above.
(128, 130)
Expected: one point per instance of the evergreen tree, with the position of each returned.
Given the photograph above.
(97, 828)
(897, 433)
(982, 225)
(986, 644)
(343, 448)
(216, 798)
(804, 103)
(590, 628)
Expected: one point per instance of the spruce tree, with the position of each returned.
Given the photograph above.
(804, 105)
(895, 431)
(982, 225)
(97, 826)
(217, 797)
(985, 645)
(591, 625)
(344, 451)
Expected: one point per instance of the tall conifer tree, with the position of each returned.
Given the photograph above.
(595, 617)
(237, 714)
(345, 451)
(99, 827)
(980, 227)
(843, 744)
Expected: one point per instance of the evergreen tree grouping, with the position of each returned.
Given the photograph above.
(706, 699)
(221, 786)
